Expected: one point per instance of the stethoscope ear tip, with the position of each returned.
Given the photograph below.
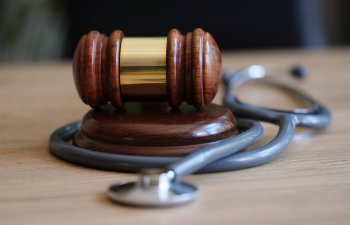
(300, 71)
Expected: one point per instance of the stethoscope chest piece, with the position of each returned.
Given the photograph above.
(154, 188)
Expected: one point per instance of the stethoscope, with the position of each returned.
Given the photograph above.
(158, 183)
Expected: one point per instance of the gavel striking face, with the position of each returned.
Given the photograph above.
(175, 68)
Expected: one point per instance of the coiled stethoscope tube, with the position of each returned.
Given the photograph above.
(155, 187)
(60, 146)
(159, 188)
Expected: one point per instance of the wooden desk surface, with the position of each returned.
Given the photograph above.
(308, 184)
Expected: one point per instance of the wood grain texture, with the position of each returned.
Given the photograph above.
(204, 72)
(307, 184)
(188, 68)
(96, 68)
(175, 62)
(113, 81)
(154, 129)
(87, 66)
(193, 70)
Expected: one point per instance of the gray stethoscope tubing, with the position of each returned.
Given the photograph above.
(128, 163)
(318, 117)
(220, 156)
(154, 187)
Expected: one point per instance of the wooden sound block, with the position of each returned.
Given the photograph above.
(154, 129)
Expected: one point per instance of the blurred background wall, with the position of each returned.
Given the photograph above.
(36, 30)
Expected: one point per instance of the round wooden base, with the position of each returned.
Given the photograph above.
(154, 129)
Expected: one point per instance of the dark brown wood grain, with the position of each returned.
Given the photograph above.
(212, 68)
(205, 78)
(96, 68)
(154, 129)
(193, 70)
(193, 67)
(197, 67)
(188, 68)
(87, 68)
(113, 54)
(174, 67)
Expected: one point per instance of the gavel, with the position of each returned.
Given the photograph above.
(175, 68)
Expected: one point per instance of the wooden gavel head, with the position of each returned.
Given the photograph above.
(175, 68)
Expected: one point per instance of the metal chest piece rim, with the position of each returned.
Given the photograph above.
(154, 188)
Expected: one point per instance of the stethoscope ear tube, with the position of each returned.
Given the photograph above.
(260, 155)
(319, 117)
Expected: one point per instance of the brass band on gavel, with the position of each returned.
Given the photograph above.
(142, 68)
